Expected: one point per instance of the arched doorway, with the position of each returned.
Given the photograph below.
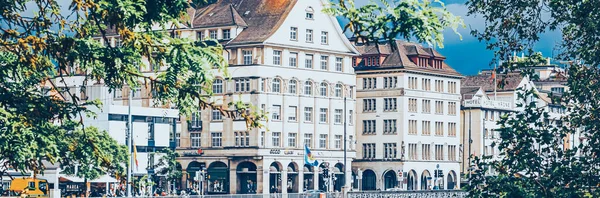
(411, 180)
(323, 181)
(389, 180)
(246, 178)
(275, 177)
(369, 180)
(425, 177)
(292, 176)
(191, 170)
(339, 180)
(308, 178)
(218, 178)
(451, 180)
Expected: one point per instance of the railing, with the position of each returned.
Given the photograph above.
(289, 195)
(411, 194)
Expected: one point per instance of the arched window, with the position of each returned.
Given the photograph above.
(310, 13)
(218, 86)
(292, 87)
(308, 88)
(276, 85)
(323, 89)
(338, 90)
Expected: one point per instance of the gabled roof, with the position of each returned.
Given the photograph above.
(506, 82)
(468, 92)
(399, 57)
(260, 17)
(213, 16)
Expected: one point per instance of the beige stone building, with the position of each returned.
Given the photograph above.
(408, 104)
(287, 58)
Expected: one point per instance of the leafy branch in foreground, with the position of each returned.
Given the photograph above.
(423, 20)
(39, 50)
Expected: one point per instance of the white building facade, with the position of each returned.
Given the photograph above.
(288, 59)
(407, 128)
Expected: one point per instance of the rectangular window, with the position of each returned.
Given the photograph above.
(452, 129)
(369, 127)
(178, 139)
(308, 114)
(412, 82)
(226, 34)
(276, 57)
(262, 138)
(294, 33)
(247, 57)
(451, 108)
(439, 85)
(439, 107)
(412, 105)
(293, 59)
(350, 117)
(195, 140)
(308, 140)
(322, 141)
(451, 152)
(369, 151)
(412, 127)
(439, 152)
(390, 150)
(308, 63)
(276, 139)
(369, 105)
(276, 112)
(293, 113)
(390, 82)
(217, 138)
(216, 115)
(247, 137)
(452, 87)
(439, 128)
(323, 115)
(338, 141)
(324, 62)
(390, 126)
(369, 83)
(426, 106)
(339, 64)
(426, 84)
(337, 116)
(426, 152)
(324, 37)
(412, 151)
(242, 85)
(213, 34)
(261, 84)
(309, 36)
(292, 140)
(200, 35)
(426, 128)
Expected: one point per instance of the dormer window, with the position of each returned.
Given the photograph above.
(226, 34)
(213, 34)
(310, 13)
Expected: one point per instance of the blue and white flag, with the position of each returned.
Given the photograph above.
(309, 158)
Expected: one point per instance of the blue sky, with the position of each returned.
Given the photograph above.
(468, 56)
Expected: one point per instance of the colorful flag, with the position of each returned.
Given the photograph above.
(309, 158)
(135, 156)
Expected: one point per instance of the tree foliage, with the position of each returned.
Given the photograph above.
(423, 20)
(536, 160)
(41, 39)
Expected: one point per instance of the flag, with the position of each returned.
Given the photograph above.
(309, 158)
(493, 77)
(135, 156)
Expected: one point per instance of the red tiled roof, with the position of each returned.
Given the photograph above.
(399, 58)
(260, 17)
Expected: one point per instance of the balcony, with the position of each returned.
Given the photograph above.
(195, 125)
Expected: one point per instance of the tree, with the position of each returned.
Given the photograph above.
(535, 161)
(422, 20)
(169, 166)
(92, 153)
(37, 51)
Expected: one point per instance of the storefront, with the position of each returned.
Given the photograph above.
(308, 178)
(275, 178)
(218, 178)
(246, 178)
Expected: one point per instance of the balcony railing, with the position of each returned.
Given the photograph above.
(195, 126)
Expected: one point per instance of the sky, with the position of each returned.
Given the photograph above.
(468, 56)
